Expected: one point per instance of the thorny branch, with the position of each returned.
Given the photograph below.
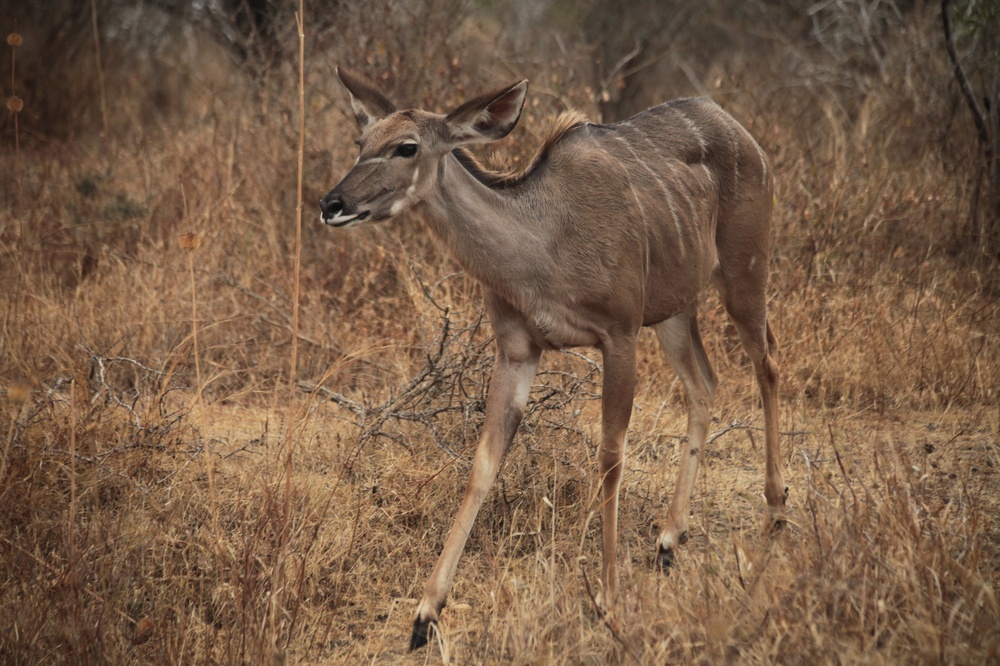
(108, 386)
(114, 382)
(437, 389)
(462, 357)
(125, 394)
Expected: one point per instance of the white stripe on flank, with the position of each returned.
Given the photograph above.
(763, 162)
(691, 201)
(736, 157)
(666, 193)
(645, 237)
(696, 131)
(703, 165)
(708, 172)
(635, 195)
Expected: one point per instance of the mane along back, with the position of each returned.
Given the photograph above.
(506, 176)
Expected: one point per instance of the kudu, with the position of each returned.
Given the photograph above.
(611, 228)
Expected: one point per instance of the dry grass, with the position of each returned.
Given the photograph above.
(163, 500)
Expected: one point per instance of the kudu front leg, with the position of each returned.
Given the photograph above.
(507, 397)
(616, 410)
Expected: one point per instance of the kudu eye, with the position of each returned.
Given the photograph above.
(405, 150)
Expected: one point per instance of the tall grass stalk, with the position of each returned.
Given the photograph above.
(100, 67)
(279, 578)
(14, 105)
(71, 519)
(298, 209)
(189, 243)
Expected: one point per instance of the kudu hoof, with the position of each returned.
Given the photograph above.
(421, 633)
(665, 555)
(777, 526)
(778, 520)
(665, 559)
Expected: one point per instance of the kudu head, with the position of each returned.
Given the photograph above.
(401, 150)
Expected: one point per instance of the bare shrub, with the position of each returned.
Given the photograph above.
(977, 21)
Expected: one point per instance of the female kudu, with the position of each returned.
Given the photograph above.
(611, 228)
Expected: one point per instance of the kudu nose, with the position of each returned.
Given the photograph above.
(330, 206)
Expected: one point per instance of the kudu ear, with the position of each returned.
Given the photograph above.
(488, 117)
(368, 102)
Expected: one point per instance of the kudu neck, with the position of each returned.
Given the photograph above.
(491, 232)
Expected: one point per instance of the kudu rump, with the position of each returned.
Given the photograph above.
(611, 228)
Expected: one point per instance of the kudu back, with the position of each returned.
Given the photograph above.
(611, 228)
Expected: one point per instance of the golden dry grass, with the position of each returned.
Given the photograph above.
(141, 524)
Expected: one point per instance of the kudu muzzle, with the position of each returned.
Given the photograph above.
(336, 213)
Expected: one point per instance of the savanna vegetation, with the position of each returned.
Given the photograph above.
(230, 434)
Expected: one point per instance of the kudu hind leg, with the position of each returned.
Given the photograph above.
(750, 319)
(743, 240)
(681, 342)
(508, 394)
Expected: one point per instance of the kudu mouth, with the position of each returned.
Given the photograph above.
(333, 213)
